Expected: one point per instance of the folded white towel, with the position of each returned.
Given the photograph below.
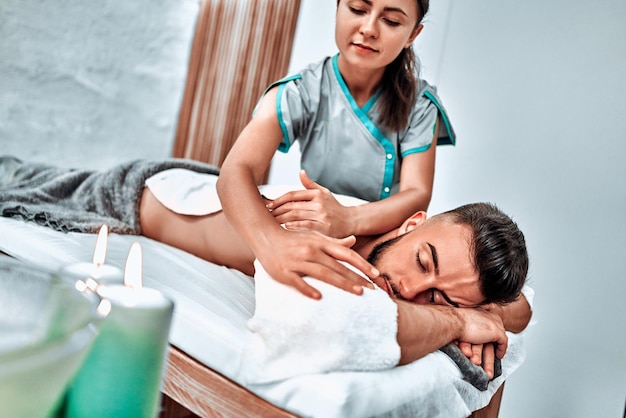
(295, 335)
(191, 193)
(185, 191)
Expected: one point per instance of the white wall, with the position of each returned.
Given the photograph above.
(537, 96)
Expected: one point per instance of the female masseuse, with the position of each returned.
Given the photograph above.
(366, 126)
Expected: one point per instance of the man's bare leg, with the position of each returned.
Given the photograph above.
(210, 237)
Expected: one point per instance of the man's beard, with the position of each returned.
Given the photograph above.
(380, 249)
(374, 257)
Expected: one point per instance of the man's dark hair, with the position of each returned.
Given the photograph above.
(499, 250)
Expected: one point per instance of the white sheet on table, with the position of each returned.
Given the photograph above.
(212, 306)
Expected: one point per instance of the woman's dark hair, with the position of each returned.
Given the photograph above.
(499, 250)
(400, 84)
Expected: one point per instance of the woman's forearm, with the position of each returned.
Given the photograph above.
(244, 207)
(416, 186)
(237, 185)
(384, 215)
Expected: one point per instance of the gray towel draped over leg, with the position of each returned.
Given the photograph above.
(81, 200)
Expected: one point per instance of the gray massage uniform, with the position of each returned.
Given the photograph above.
(342, 147)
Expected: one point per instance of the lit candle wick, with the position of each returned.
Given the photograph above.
(100, 251)
(134, 265)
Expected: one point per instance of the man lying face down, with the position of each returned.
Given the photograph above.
(454, 277)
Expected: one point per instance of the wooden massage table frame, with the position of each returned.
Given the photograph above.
(192, 389)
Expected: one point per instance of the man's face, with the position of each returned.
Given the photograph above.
(430, 264)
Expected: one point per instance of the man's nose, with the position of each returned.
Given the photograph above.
(411, 286)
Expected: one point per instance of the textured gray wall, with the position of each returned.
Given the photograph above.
(91, 83)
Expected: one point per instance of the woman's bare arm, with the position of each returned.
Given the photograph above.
(286, 255)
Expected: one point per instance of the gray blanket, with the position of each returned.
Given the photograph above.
(68, 199)
(472, 373)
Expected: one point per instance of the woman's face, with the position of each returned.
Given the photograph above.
(371, 33)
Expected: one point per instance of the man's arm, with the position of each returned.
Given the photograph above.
(515, 315)
(423, 329)
(295, 335)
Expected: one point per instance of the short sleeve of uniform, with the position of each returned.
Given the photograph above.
(294, 105)
(297, 102)
(419, 135)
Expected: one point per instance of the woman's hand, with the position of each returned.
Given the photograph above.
(313, 209)
(296, 254)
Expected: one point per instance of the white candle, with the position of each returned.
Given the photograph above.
(123, 372)
(96, 270)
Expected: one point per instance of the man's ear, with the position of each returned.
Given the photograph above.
(412, 222)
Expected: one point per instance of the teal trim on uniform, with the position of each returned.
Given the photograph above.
(286, 144)
(450, 140)
(282, 81)
(416, 150)
(370, 103)
(390, 151)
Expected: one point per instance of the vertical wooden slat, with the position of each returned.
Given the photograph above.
(239, 48)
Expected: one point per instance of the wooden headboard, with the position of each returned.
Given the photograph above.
(239, 48)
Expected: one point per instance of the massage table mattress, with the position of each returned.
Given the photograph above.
(212, 307)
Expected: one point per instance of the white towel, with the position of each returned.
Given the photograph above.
(191, 193)
(296, 335)
(185, 191)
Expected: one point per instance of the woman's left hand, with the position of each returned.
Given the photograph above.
(314, 209)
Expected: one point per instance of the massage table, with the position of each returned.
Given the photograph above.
(212, 306)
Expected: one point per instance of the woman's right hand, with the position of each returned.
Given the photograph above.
(293, 255)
